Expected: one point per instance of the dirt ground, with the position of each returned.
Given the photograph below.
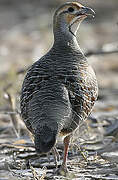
(26, 35)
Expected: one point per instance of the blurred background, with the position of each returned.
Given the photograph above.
(26, 35)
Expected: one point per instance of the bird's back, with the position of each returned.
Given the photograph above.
(42, 92)
(60, 89)
(45, 105)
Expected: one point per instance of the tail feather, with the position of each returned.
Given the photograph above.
(50, 110)
(45, 139)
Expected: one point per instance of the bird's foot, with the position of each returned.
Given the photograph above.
(63, 170)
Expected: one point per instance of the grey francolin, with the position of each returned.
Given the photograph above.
(60, 89)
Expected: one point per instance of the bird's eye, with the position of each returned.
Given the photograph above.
(71, 9)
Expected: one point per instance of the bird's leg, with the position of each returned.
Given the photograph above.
(56, 155)
(48, 156)
(63, 169)
(66, 146)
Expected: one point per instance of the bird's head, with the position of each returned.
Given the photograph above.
(68, 17)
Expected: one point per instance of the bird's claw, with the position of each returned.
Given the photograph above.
(63, 171)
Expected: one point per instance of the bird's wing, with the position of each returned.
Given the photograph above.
(83, 93)
(31, 82)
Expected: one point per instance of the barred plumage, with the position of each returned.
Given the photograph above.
(60, 89)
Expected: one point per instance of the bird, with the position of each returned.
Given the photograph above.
(60, 89)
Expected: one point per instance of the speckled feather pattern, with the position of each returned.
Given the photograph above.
(61, 87)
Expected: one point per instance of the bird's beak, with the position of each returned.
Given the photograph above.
(79, 16)
(85, 11)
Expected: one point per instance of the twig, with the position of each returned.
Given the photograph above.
(100, 52)
(35, 174)
(44, 174)
(27, 146)
(11, 101)
(113, 50)
(9, 112)
(82, 152)
(21, 71)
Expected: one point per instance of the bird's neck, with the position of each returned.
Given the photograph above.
(64, 37)
(67, 44)
(62, 34)
(66, 41)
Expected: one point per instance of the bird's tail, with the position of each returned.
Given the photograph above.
(50, 110)
(45, 137)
